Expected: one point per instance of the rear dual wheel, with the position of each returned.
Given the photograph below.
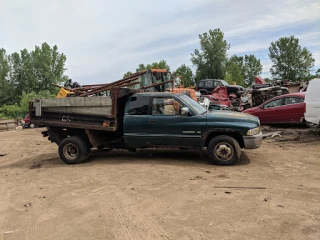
(73, 150)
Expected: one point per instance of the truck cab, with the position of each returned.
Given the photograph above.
(167, 120)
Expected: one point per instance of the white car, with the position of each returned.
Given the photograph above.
(312, 101)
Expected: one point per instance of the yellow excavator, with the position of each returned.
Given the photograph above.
(65, 90)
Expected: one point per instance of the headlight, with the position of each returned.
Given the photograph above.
(253, 131)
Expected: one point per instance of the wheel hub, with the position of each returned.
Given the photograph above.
(223, 151)
(70, 151)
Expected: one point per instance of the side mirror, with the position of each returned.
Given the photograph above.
(185, 111)
(262, 107)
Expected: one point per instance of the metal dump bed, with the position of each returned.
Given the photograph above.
(96, 112)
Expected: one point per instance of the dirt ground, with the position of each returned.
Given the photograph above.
(272, 193)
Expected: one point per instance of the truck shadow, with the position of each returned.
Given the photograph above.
(116, 157)
(160, 156)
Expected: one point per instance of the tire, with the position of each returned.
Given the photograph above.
(100, 147)
(224, 150)
(132, 149)
(203, 92)
(311, 125)
(73, 150)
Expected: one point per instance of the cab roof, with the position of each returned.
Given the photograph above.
(158, 93)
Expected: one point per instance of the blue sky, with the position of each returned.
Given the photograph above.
(104, 39)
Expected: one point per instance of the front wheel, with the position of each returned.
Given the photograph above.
(73, 150)
(224, 150)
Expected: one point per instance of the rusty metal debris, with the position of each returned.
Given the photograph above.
(147, 79)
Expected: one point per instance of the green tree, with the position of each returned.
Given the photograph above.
(20, 110)
(127, 74)
(49, 67)
(234, 74)
(27, 97)
(252, 67)
(15, 78)
(162, 64)
(5, 87)
(10, 111)
(235, 70)
(186, 72)
(248, 67)
(211, 59)
(27, 72)
(237, 60)
(290, 60)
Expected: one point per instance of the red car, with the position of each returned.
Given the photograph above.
(288, 108)
(27, 122)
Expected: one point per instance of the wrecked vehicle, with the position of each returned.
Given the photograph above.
(130, 120)
(210, 103)
(262, 91)
(221, 97)
(261, 95)
(207, 86)
(288, 108)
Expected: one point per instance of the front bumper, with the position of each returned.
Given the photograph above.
(252, 142)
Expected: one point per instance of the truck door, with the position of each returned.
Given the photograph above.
(167, 127)
(136, 121)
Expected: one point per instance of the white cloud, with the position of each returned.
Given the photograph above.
(108, 38)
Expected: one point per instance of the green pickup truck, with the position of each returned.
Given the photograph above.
(128, 120)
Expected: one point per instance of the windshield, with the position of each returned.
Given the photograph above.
(192, 103)
(224, 83)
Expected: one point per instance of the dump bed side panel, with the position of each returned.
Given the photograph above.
(94, 106)
(96, 113)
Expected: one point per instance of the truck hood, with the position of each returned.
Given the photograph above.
(230, 116)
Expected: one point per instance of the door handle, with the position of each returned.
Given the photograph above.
(152, 121)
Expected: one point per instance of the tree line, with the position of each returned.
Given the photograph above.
(289, 61)
(25, 75)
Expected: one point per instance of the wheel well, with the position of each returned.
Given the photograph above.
(235, 135)
(57, 134)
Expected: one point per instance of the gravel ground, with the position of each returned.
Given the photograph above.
(272, 193)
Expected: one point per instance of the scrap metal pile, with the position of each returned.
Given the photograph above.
(156, 80)
(262, 91)
(259, 93)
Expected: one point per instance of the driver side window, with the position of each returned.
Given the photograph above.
(166, 106)
(274, 103)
